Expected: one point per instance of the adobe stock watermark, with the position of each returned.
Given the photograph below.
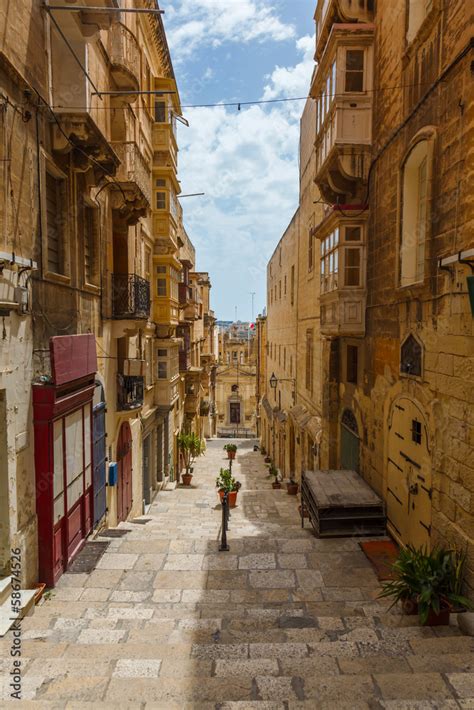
(15, 616)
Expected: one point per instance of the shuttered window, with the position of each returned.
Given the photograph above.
(54, 223)
(91, 243)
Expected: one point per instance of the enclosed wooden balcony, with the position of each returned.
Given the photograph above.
(330, 12)
(124, 55)
(166, 392)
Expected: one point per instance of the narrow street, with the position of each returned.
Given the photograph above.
(283, 620)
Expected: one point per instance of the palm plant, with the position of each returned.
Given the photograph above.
(432, 581)
(191, 446)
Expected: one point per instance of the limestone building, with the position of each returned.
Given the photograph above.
(90, 274)
(235, 382)
(393, 250)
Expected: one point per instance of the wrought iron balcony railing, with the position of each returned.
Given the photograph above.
(130, 297)
(129, 392)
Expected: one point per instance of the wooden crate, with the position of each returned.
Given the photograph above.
(340, 504)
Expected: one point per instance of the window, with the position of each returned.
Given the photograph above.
(162, 370)
(352, 364)
(352, 266)
(354, 70)
(292, 285)
(161, 289)
(353, 234)
(56, 200)
(291, 364)
(148, 362)
(160, 112)
(160, 200)
(309, 360)
(414, 215)
(279, 354)
(411, 357)
(147, 263)
(284, 358)
(330, 261)
(418, 10)
(279, 288)
(310, 249)
(91, 244)
(416, 431)
(285, 285)
(161, 269)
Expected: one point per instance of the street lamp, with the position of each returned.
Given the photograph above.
(273, 381)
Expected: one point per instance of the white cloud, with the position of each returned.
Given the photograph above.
(247, 164)
(295, 80)
(195, 23)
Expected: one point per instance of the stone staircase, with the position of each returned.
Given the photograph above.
(6, 616)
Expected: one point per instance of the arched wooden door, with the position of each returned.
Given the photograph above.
(409, 474)
(124, 482)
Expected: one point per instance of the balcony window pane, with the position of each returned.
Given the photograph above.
(353, 234)
(354, 70)
(333, 80)
(161, 200)
(161, 269)
(163, 370)
(162, 352)
(352, 267)
(160, 111)
(161, 287)
(336, 236)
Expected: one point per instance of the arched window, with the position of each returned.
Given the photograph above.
(411, 357)
(414, 205)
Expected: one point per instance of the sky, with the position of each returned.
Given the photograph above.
(246, 162)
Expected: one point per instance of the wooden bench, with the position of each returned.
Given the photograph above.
(340, 504)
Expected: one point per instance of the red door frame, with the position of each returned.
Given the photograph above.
(124, 480)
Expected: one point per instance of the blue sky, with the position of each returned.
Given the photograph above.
(245, 161)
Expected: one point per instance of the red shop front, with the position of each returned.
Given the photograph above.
(63, 453)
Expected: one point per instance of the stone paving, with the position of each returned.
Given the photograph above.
(280, 622)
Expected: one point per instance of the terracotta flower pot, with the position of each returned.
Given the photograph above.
(267, 459)
(292, 489)
(186, 479)
(231, 497)
(231, 455)
(276, 484)
(441, 619)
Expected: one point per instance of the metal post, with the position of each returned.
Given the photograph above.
(224, 547)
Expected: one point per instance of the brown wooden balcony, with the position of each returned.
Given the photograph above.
(130, 297)
(124, 54)
(129, 392)
(329, 12)
(185, 294)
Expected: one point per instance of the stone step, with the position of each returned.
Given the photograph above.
(5, 588)
(27, 605)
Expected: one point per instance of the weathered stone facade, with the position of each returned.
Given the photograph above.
(393, 326)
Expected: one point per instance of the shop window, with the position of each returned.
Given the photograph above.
(161, 287)
(414, 215)
(352, 364)
(416, 431)
(354, 75)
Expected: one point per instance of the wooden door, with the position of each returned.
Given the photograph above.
(99, 456)
(349, 442)
(409, 475)
(124, 482)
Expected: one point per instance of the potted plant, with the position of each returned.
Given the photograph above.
(231, 450)
(429, 584)
(276, 476)
(225, 483)
(191, 447)
(292, 487)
